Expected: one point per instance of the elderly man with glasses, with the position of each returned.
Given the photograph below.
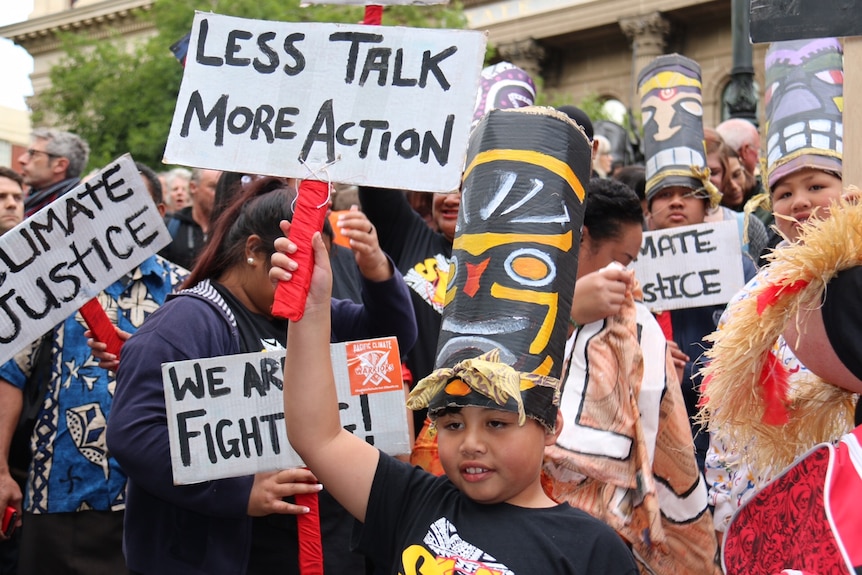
(51, 166)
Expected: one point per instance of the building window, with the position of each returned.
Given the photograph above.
(615, 111)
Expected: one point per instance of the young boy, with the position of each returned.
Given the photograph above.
(489, 514)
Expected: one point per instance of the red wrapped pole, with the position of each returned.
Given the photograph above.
(308, 215)
(311, 207)
(310, 541)
(102, 328)
(373, 14)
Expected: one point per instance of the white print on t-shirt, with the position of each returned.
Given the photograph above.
(270, 344)
(447, 554)
(428, 278)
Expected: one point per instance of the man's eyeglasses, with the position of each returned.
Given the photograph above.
(31, 152)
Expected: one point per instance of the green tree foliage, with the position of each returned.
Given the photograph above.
(120, 97)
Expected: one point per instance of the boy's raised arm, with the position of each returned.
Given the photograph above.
(344, 463)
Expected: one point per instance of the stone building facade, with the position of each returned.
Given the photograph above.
(579, 48)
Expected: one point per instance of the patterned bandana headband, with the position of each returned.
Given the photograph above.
(672, 107)
(486, 382)
(804, 106)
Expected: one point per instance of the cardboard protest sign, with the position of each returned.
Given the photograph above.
(371, 105)
(226, 414)
(59, 258)
(690, 266)
(776, 20)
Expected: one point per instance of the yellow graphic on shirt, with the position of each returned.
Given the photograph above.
(417, 560)
(444, 552)
(428, 278)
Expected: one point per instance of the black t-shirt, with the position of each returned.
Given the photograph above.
(256, 332)
(417, 523)
(275, 539)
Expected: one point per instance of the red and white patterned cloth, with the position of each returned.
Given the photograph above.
(805, 521)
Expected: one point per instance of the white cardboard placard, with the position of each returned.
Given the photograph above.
(690, 266)
(213, 403)
(386, 106)
(62, 256)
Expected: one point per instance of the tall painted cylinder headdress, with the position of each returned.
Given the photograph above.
(515, 258)
(503, 86)
(804, 106)
(672, 109)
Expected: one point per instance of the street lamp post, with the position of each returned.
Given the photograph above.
(740, 97)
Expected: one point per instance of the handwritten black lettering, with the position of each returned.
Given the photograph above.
(12, 318)
(376, 60)
(239, 120)
(271, 55)
(355, 39)
(200, 57)
(690, 285)
(185, 435)
(695, 241)
(294, 52)
(215, 116)
(375, 136)
(215, 383)
(273, 421)
(226, 452)
(194, 385)
(227, 438)
(253, 381)
(232, 47)
(80, 258)
(24, 257)
(431, 64)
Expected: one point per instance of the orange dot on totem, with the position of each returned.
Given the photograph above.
(457, 387)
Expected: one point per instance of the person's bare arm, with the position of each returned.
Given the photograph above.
(11, 403)
(344, 463)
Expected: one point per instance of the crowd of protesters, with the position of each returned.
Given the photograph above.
(103, 500)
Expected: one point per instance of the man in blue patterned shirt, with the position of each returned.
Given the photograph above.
(74, 494)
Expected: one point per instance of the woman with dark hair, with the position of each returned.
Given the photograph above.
(242, 524)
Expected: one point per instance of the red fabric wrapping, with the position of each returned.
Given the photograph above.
(308, 216)
(664, 322)
(102, 328)
(373, 15)
(772, 292)
(774, 388)
(310, 543)
(704, 398)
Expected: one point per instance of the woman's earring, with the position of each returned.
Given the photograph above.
(250, 261)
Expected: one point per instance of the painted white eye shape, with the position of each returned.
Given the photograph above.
(693, 107)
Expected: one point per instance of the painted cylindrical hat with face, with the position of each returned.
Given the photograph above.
(503, 86)
(515, 254)
(672, 109)
(804, 106)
